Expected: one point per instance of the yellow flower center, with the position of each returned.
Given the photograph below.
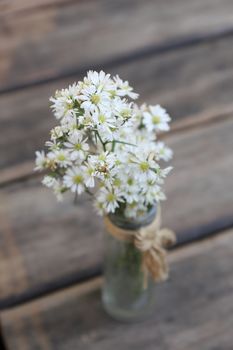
(78, 146)
(69, 105)
(61, 157)
(78, 179)
(118, 162)
(102, 118)
(111, 197)
(155, 119)
(125, 113)
(144, 166)
(102, 157)
(95, 99)
(112, 93)
(90, 171)
(130, 181)
(117, 182)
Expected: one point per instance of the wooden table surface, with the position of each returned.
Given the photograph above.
(176, 53)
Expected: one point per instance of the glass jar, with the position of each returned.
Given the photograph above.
(127, 293)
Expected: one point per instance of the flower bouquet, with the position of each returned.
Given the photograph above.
(106, 145)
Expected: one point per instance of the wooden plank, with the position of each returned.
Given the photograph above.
(43, 241)
(41, 40)
(13, 7)
(17, 173)
(184, 316)
(187, 82)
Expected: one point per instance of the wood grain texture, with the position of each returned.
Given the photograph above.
(47, 38)
(187, 82)
(13, 7)
(43, 241)
(193, 310)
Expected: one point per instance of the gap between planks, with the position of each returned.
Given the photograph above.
(24, 171)
(2, 341)
(82, 288)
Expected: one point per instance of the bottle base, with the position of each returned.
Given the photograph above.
(124, 315)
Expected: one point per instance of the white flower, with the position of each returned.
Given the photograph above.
(41, 160)
(104, 166)
(109, 200)
(58, 191)
(105, 123)
(77, 145)
(75, 179)
(156, 119)
(99, 207)
(64, 101)
(164, 172)
(162, 152)
(100, 79)
(135, 209)
(145, 169)
(89, 174)
(104, 160)
(60, 157)
(56, 133)
(69, 122)
(93, 97)
(123, 109)
(56, 185)
(49, 181)
(52, 145)
(150, 192)
(130, 189)
(123, 88)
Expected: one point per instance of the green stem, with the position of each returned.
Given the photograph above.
(102, 142)
(125, 143)
(113, 145)
(89, 192)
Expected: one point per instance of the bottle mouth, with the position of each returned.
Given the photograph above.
(134, 223)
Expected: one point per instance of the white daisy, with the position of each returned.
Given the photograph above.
(56, 133)
(135, 209)
(93, 97)
(49, 181)
(156, 119)
(77, 145)
(104, 121)
(56, 185)
(75, 179)
(60, 157)
(162, 152)
(64, 101)
(40, 161)
(123, 109)
(145, 168)
(100, 79)
(110, 200)
(123, 88)
(131, 191)
(89, 172)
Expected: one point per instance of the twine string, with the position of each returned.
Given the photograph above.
(152, 241)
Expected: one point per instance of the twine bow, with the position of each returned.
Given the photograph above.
(151, 240)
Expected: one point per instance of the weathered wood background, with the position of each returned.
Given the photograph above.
(178, 53)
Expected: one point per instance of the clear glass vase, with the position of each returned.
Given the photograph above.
(127, 293)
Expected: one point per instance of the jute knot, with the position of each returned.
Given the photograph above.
(152, 241)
